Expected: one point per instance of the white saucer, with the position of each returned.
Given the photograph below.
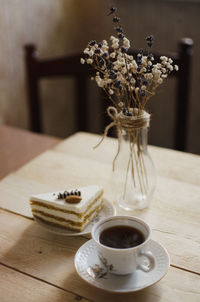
(89, 268)
(107, 210)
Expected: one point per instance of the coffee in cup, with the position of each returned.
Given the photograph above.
(122, 243)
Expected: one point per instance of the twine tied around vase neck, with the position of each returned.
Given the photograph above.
(138, 120)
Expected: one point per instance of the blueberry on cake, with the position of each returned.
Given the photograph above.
(71, 209)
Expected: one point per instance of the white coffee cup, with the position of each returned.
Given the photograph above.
(122, 261)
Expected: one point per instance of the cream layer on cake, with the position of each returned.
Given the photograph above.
(52, 210)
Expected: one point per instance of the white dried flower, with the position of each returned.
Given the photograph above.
(111, 91)
(156, 72)
(120, 104)
(123, 70)
(176, 67)
(135, 66)
(132, 81)
(92, 48)
(89, 61)
(130, 66)
(86, 51)
(112, 55)
(91, 53)
(148, 76)
(159, 81)
(126, 42)
(117, 63)
(163, 59)
(82, 61)
(115, 45)
(109, 81)
(122, 61)
(170, 60)
(123, 80)
(144, 60)
(100, 82)
(104, 48)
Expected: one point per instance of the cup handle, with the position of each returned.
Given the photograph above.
(151, 259)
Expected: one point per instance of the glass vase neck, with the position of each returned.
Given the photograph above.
(139, 137)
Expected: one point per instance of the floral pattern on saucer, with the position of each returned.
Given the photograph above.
(101, 270)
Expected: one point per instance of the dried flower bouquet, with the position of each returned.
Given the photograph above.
(129, 82)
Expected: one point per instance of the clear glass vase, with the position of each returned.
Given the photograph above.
(134, 172)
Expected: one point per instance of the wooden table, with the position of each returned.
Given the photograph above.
(18, 146)
(36, 265)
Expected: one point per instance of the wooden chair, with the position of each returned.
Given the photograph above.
(66, 66)
(70, 66)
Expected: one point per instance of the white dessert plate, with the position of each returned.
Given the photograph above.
(107, 210)
(89, 268)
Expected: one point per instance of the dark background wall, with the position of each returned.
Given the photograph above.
(65, 26)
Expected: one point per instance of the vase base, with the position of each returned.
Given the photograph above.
(133, 202)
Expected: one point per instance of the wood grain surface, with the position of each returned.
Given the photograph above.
(34, 253)
(30, 249)
(17, 286)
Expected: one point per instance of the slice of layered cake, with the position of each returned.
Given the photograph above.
(71, 209)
